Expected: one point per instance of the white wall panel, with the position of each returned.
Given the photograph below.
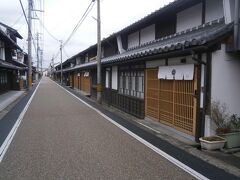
(133, 39)
(225, 79)
(115, 77)
(189, 18)
(147, 34)
(214, 10)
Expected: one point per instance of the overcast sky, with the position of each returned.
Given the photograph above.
(61, 16)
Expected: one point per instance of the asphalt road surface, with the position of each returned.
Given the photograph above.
(62, 138)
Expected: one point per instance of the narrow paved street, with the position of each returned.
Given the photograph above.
(61, 138)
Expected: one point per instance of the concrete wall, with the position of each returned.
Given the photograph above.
(214, 10)
(133, 39)
(147, 34)
(189, 18)
(115, 77)
(226, 79)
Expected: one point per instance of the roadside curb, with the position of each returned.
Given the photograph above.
(12, 120)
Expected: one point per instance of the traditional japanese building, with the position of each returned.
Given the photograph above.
(168, 66)
(12, 60)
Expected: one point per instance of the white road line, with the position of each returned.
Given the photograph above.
(4, 147)
(154, 148)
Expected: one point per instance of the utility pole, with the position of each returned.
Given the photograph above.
(41, 58)
(61, 63)
(52, 68)
(29, 44)
(37, 77)
(99, 74)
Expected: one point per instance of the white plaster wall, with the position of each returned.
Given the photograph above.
(214, 10)
(177, 60)
(2, 50)
(171, 62)
(226, 79)
(210, 127)
(133, 39)
(228, 9)
(115, 77)
(147, 34)
(189, 18)
(78, 60)
(155, 63)
(107, 79)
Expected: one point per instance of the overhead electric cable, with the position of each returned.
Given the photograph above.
(88, 10)
(18, 19)
(65, 53)
(44, 27)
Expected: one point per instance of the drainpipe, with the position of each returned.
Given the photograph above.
(236, 26)
(204, 98)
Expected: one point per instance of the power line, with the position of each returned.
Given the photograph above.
(65, 53)
(18, 19)
(50, 34)
(85, 14)
(88, 10)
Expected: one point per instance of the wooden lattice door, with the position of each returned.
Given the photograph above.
(172, 102)
(85, 83)
(75, 83)
(152, 93)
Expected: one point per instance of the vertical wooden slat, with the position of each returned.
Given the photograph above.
(171, 101)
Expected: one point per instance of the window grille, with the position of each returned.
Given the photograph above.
(131, 81)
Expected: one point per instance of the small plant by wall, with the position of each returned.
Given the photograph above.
(220, 116)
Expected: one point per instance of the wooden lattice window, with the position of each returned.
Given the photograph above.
(131, 81)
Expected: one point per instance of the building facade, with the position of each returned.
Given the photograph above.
(12, 60)
(169, 66)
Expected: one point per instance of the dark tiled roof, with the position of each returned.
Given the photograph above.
(17, 63)
(8, 65)
(197, 36)
(12, 31)
(4, 36)
(172, 5)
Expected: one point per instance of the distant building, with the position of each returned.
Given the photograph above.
(13, 70)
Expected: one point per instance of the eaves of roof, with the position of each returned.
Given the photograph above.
(13, 31)
(166, 8)
(17, 63)
(197, 36)
(8, 65)
(8, 40)
(202, 35)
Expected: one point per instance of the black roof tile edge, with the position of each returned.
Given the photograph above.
(187, 44)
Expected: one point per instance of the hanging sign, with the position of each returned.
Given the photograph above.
(86, 74)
